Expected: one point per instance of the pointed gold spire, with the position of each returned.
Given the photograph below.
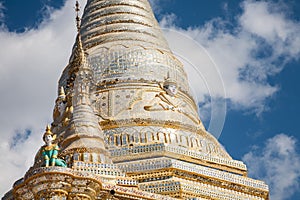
(84, 133)
(77, 59)
(77, 9)
(78, 52)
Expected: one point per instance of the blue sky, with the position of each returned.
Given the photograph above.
(254, 45)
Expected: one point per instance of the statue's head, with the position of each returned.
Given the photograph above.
(170, 87)
(48, 136)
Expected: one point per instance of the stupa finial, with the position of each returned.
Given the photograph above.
(77, 9)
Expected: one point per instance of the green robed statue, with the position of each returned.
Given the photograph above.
(50, 150)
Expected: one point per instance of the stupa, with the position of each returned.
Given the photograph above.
(125, 125)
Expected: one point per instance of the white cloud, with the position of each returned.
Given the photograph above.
(2, 17)
(278, 163)
(266, 20)
(30, 65)
(262, 41)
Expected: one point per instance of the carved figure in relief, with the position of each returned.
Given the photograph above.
(63, 109)
(50, 150)
(167, 100)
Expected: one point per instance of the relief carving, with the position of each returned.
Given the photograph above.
(63, 110)
(168, 100)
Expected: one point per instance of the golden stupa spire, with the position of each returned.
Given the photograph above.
(77, 9)
(83, 133)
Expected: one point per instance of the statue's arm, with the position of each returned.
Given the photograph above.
(44, 154)
(55, 151)
(153, 103)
